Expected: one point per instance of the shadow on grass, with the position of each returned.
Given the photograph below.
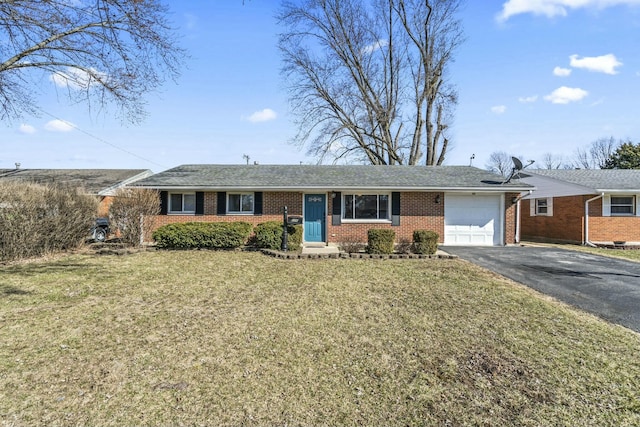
(6, 290)
(37, 269)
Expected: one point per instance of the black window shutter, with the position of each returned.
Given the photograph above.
(257, 203)
(395, 208)
(336, 213)
(222, 203)
(164, 198)
(199, 202)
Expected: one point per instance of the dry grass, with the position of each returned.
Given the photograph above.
(228, 338)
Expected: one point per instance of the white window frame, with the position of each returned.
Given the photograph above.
(181, 211)
(366, 220)
(632, 205)
(241, 212)
(535, 208)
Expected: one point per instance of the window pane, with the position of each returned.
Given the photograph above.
(367, 207)
(541, 206)
(189, 202)
(175, 203)
(625, 210)
(234, 203)
(622, 200)
(348, 206)
(622, 205)
(384, 207)
(247, 202)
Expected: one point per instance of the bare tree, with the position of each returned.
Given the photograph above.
(500, 162)
(597, 154)
(554, 161)
(368, 79)
(133, 212)
(98, 51)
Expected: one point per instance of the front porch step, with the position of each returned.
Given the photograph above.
(319, 248)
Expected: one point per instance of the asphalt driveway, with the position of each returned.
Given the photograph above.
(606, 287)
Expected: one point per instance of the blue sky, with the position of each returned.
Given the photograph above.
(534, 77)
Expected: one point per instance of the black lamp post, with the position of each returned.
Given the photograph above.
(285, 236)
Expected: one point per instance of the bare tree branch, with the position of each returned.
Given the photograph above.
(100, 51)
(367, 78)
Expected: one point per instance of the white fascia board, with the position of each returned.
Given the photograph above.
(110, 191)
(344, 188)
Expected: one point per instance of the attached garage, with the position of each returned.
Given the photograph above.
(473, 219)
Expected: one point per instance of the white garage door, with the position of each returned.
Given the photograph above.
(472, 220)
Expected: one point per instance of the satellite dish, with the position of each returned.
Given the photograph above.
(517, 164)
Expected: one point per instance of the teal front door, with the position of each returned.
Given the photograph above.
(314, 217)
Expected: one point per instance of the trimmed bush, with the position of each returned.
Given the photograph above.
(425, 242)
(380, 241)
(268, 235)
(202, 235)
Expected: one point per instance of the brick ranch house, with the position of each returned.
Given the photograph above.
(464, 205)
(101, 183)
(588, 206)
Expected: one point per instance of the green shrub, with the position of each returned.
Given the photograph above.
(202, 235)
(380, 241)
(268, 235)
(425, 242)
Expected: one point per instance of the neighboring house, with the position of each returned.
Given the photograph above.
(464, 205)
(588, 206)
(101, 183)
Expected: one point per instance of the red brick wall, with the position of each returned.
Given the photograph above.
(614, 228)
(104, 203)
(271, 208)
(418, 211)
(567, 222)
(510, 218)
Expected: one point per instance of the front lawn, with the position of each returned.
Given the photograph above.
(232, 338)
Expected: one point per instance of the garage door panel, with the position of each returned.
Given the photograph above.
(472, 220)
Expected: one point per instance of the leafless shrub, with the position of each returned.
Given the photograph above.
(132, 214)
(41, 219)
(351, 244)
(404, 246)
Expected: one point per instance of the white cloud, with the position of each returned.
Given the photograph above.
(565, 95)
(76, 79)
(498, 109)
(551, 8)
(26, 129)
(375, 46)
(601, 64)
(561, 72)
(191, 21)
(263, 116)
(59, 126)
(528, 99)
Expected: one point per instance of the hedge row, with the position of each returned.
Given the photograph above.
(202, 235)
(381, 241)
(225, 235)
(268, 235)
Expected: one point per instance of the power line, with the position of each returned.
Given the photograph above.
(102, 140)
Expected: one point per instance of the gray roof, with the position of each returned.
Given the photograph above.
(342, 177)
(94, 181)
(600, 180)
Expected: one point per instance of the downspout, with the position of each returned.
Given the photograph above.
(586, 220)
